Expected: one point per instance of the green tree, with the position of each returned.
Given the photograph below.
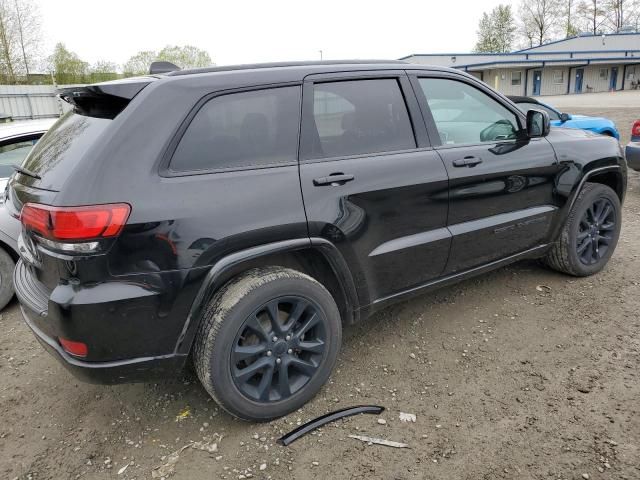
(139, 63)
(102, 71)
(67, 66)
(496, 30)
(186, 56)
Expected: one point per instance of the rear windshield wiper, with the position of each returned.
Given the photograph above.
(24, 171)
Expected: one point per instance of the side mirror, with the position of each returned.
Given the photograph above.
(538, 123)
(565, 117)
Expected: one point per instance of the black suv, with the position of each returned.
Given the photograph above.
(240, 216)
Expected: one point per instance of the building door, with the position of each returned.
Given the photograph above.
(613, 81)
(579, 75)
(537, 81)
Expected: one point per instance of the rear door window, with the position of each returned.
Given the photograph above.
(246, 129)
(358, 117)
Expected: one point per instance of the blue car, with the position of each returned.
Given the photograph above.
(559, 119)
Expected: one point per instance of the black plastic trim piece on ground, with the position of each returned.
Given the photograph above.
(293, 435)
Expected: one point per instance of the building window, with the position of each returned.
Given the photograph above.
(631, 73)
(558, 76)
(516, 78)
(604, 73)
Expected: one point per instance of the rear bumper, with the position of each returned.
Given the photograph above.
(122, 342)
(632, 153)
(122, 371)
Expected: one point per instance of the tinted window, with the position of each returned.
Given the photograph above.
(240, 130)
(464, 114)
(357, 117)
(13, 152)
(525, 107)
(61, 148)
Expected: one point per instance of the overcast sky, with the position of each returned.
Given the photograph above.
(260, 31)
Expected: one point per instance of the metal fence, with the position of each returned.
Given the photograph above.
(22, 102)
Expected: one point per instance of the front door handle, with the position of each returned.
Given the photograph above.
(469, 161)
(335, 179)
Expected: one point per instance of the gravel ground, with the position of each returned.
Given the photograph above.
(521, 373)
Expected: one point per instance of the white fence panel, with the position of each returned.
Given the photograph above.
(23, 102)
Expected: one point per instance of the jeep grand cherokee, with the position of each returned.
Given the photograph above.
(239, 217)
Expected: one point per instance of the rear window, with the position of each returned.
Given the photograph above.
(246, 129)
(61, 148)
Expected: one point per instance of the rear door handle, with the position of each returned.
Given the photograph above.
(335, 179)
(469, 161)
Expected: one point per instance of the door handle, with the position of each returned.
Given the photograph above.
(334, 180)
(469, 161)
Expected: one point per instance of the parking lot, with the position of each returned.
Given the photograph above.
(521, 373)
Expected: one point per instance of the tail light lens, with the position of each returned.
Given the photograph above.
(75, 224)
(77, 349)
(635, 130)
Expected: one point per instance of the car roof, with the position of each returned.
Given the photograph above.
(25, 127)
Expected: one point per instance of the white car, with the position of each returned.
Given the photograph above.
(16, 141)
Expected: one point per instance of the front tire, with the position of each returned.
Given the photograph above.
(590, 235)
(268, 341)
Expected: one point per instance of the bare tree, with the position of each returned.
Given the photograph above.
(592, 14)
(27, 23)
(540, 20)
(7, 41)
(570, 13)
(620, 13)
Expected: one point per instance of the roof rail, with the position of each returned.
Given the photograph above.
(251, 66)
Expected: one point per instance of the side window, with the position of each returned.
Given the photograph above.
(465, 115)
(525, 107)
(255, 128)
(358, 117)
(14, 152)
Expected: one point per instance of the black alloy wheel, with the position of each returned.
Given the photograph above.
(278, 349)
(595, 231)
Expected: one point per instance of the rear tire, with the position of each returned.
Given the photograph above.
(590, 235)
(7, 265)
(268, 341)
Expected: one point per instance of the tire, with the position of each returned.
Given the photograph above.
(568, 254)
(237, 333)
(7, 265)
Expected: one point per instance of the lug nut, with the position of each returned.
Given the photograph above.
(275, 339)
(288, 337)
(290, 351)
(269, 353)
(278, 360)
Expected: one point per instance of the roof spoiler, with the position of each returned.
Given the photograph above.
(103, 100)
(162, 67)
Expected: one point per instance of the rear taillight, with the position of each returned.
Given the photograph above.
(635, 130)
(74, 225)
(77, 349)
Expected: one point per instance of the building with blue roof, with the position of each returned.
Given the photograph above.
(581, 64)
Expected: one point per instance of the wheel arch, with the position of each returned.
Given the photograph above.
(317, 258)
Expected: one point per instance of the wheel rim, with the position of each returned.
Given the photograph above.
(596, 231)
(278, 349)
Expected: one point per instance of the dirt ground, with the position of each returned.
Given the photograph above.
(521, 373)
